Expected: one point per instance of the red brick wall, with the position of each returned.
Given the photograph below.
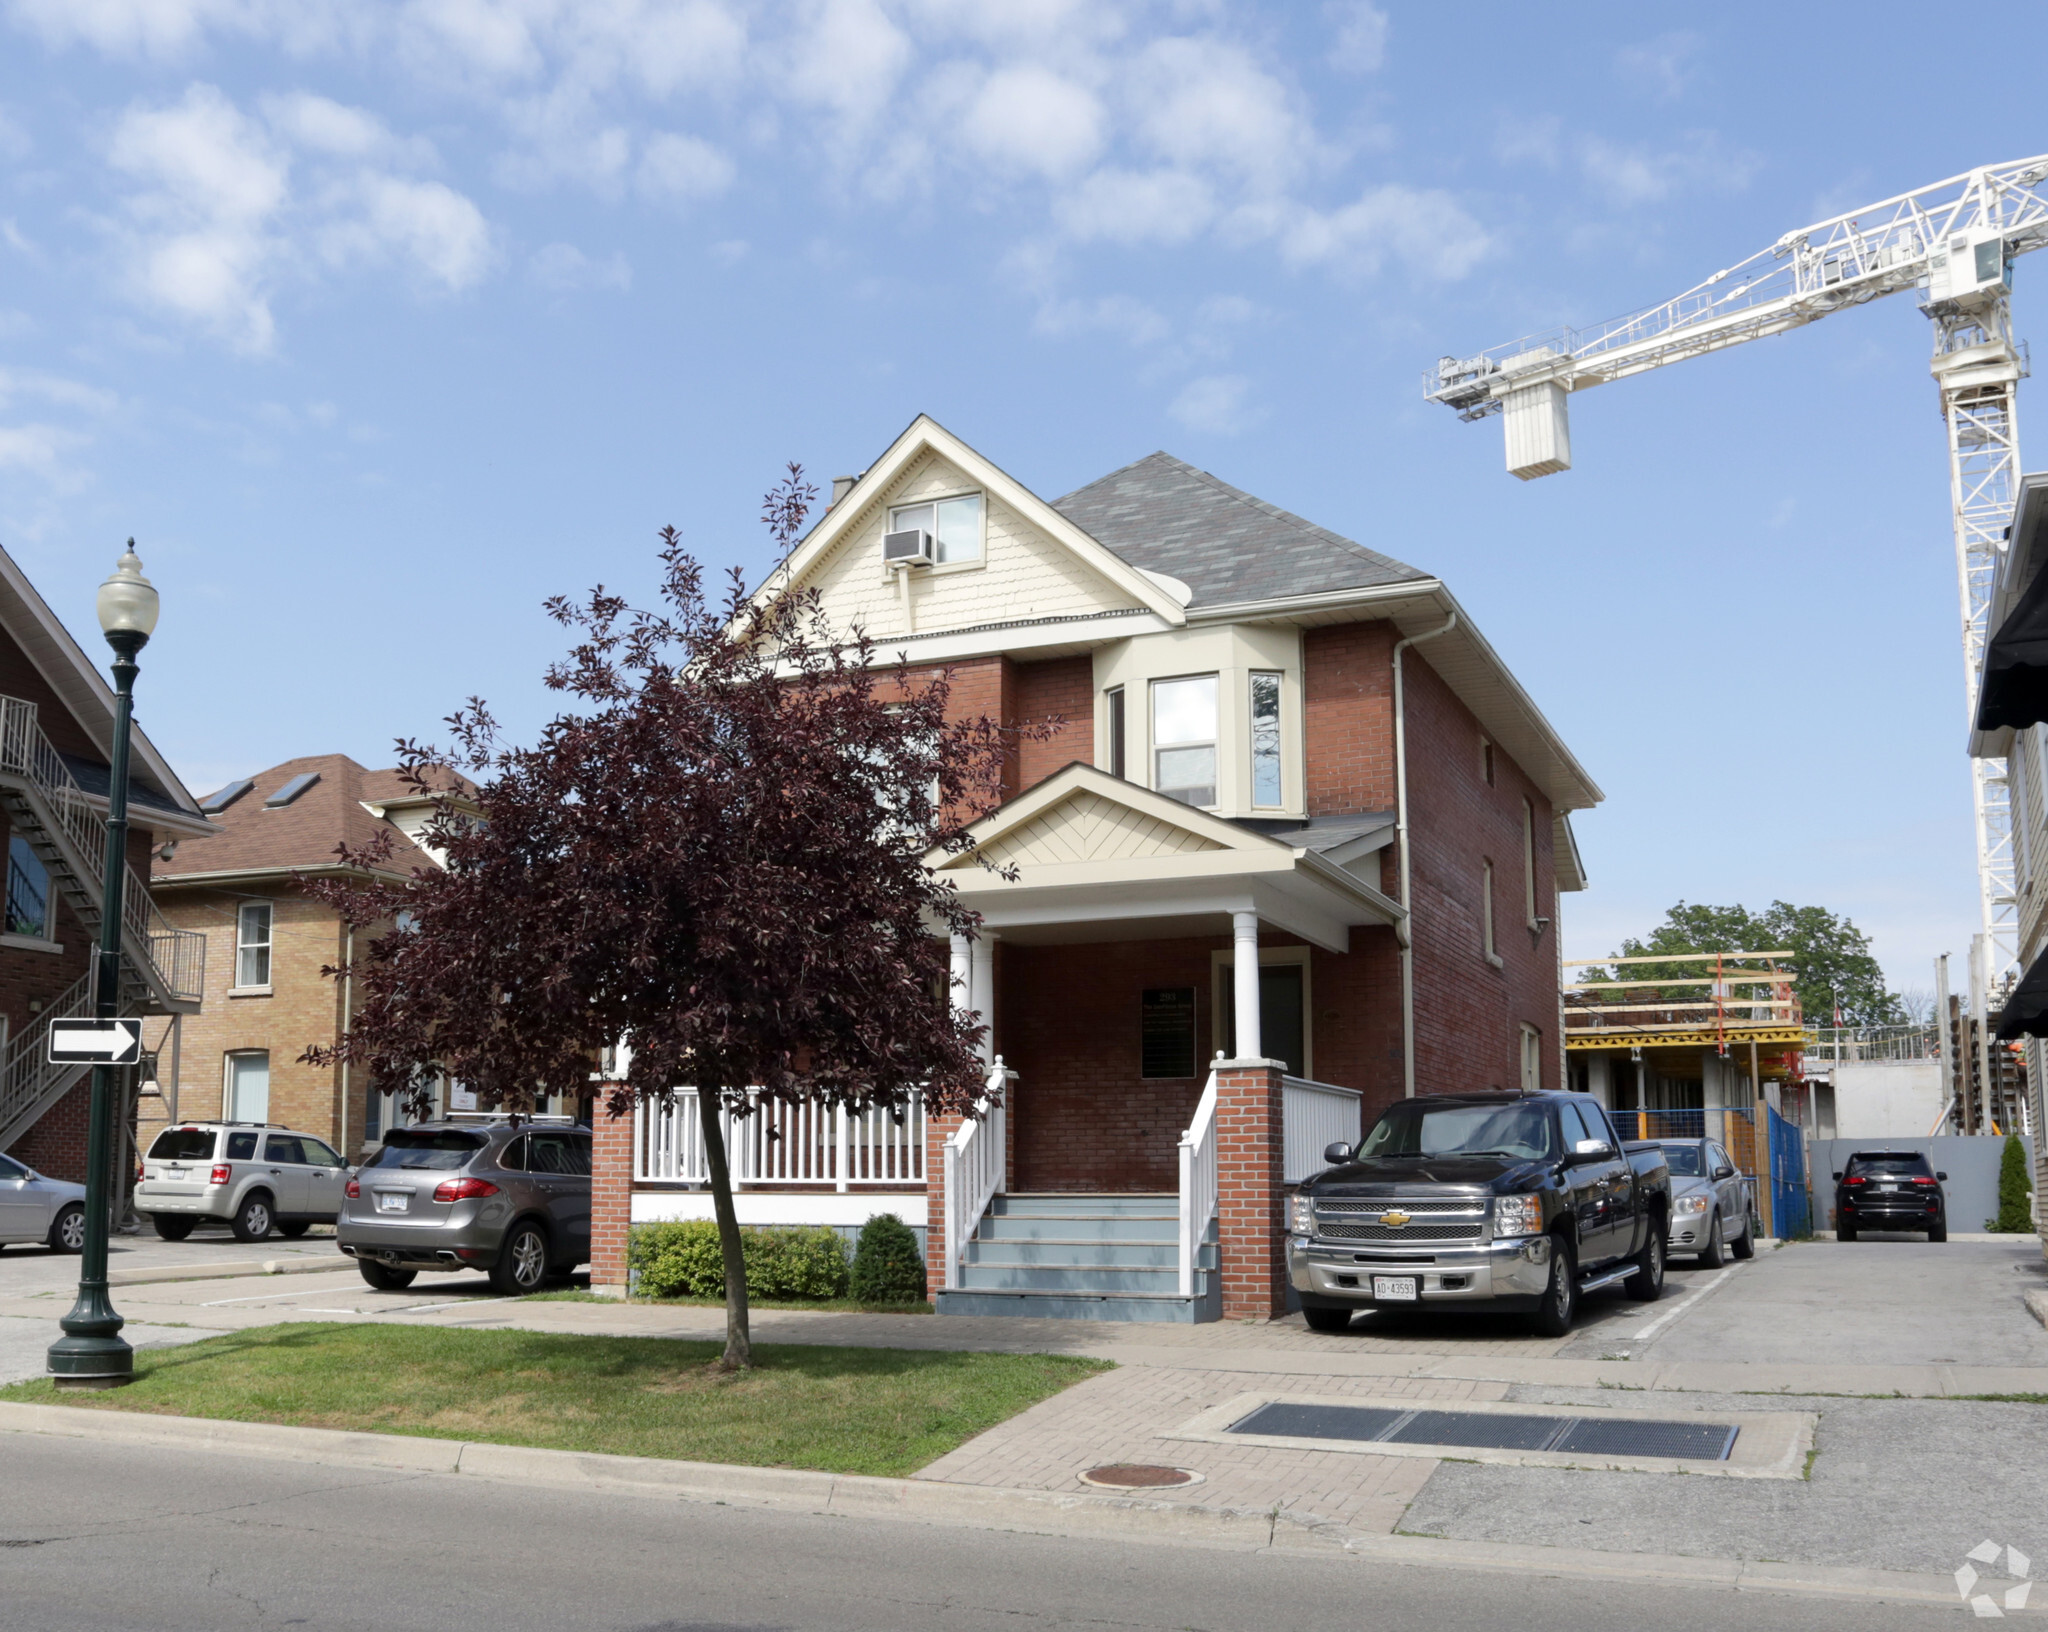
(1348, 717)
(611, 1196)
(1062, 688)
(1249, 1166)
(56, 1144)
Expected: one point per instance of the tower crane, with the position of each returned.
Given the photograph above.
(1956, 241)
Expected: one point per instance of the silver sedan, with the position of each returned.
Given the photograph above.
(47, 1212)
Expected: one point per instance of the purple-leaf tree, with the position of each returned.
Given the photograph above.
(717, 856)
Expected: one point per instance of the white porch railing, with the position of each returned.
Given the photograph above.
(1313, 1115)
(1197, 1184)
(781, 1143)
(976, 1158)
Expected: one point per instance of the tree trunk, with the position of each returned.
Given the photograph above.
(739, 1346)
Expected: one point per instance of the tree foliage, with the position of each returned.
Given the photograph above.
(717, 853)
(1831, 960)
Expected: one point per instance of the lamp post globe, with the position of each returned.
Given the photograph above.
(92, 1353)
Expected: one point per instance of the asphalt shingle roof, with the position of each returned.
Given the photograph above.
(303, 833)
(1166, 516)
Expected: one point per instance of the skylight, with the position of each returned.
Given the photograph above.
(291, 790)
(214, 803)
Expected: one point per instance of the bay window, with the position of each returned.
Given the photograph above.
(1184, 739)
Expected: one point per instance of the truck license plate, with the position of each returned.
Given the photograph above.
(1395, 1288)
(392, 1201)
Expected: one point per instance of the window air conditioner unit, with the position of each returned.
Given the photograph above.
(910, 548)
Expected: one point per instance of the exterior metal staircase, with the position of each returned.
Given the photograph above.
(163, 969)
(1083, 1257)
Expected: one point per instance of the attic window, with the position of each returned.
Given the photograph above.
(214, 803)
(291, 790)
(955, 526)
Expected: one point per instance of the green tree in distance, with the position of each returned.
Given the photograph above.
(1831, 962)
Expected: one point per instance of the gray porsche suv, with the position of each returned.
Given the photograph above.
(447, 1196)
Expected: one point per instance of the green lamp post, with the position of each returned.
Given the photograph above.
(92, 1353)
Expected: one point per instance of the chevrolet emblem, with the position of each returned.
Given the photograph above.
(1394, 1220)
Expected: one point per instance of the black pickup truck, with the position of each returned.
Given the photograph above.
(1482, 1201)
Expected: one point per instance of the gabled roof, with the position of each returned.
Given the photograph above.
(1166, 516)
(82, 688)
(255, 839)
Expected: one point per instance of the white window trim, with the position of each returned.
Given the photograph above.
(1532, 1058)
(1154, 747)
(1529, 868)
(942, 567)
(1486, 916)
(268, 944)
(227, 1079)
(1223, 994)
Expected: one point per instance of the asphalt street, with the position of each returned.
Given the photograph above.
(104, 1538)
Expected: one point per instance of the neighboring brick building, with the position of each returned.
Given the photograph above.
(56, 730)
(267, 942)
(1237, 687)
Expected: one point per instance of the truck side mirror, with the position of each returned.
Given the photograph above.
(1336, 1152)
(1592, 1149)
(1724, 1172)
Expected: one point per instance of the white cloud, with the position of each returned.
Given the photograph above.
(1032, 120)
(1203, 102)
(1661, 66)
(422, 221)
(1426, 229)
(54, 388)
(329, 127)
(1137, 207)
(1216, 405)
(1359, 41)
(1640, 175)
(38, 450)
(683, 168)
(1124, 316)
(171, 28)
(565, 268)
(846, 57)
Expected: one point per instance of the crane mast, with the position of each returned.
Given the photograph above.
(1955, 240)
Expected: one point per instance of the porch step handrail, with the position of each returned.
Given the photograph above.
(1313, 1116)
(779, 1142)
(1197, 1184)
(976, 1158)
(28, 1080)
(172, 960)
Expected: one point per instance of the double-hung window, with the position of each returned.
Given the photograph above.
(1113, 722)
(1184, 739)
(252, 944)
(955, 526)
(28, 891)
(1265, 738)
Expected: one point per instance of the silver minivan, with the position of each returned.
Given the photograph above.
(513, 1201)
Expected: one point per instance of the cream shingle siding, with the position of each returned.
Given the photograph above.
(1088, 828)
(1023, 573)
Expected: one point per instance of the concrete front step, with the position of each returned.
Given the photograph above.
(1122, 1254)
(1087, 1201)
(1123, 1306)
(1054, 1277)
(1076, 1226)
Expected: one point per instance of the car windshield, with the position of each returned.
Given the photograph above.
(436, 1148)
(1683, 1160)
(183, 1145)
(1414, 1128)
(1903, 1165)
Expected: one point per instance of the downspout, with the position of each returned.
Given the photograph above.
(1406, 929)
(348, 968)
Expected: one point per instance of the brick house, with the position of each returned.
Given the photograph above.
(56, 735)
(267, 941)
(1296, 852)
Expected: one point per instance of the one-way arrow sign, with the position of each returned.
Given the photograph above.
(95, 1042)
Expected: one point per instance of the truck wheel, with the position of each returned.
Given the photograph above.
(1327, 1320)
(383, 1279)
(1553, 1318)
(1715, 1253)
(1744, 1245)
(1646, 1285)
(294, 1228)
(171, 1227)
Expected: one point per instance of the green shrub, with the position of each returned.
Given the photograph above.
(2015, 1217)
(684, 1261)
(887, 1265)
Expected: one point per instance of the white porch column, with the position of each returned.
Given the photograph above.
(1244, 965)
(962, 992)
(982, 991)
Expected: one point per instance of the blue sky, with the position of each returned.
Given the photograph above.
(378, 323)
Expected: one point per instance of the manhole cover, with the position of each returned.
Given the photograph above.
(1138, 1476)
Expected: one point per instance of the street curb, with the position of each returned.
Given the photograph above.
(931, 1501)
(2037, 1306)
(231, 1269)
(2014, 1238)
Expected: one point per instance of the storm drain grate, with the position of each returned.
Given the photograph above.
(1502, 1431)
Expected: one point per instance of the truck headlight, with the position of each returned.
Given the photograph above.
(1689, 1204)
(1301, 1215)
(1517, 1215)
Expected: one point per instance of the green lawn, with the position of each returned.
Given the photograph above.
(880, 1411)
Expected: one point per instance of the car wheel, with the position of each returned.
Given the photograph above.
(1715, 1253)
(1938, 1233)
(1744, 1245)
(1560, 1306)
(170, 1226)
(385, 1279)
(1327, 1320)
(67, 1232)
(522, 1265)
(1846, 1232)
(253, 1218)
(296, 1228)
(1646, 1285)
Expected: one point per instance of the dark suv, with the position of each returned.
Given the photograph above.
(512, 1201)
(1890, 1190)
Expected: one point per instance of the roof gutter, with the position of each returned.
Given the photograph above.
(233, 875)
(1406, 927)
